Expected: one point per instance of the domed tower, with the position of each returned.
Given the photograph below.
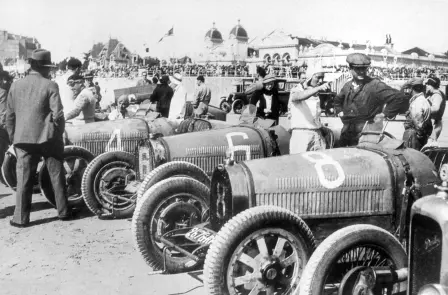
(238, 41)
(213, 37)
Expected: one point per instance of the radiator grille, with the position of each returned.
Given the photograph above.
(209, 163)
(350, 181)
(355, 202)
(100, 142)
(426, 255)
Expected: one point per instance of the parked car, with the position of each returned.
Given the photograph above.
(107, 190)
(261, 220)
(423, 270)
(84, 142)
(227, 102)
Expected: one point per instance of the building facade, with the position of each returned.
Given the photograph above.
(16, 47)
(113, 53)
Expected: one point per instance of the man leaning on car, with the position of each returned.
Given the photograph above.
(364, 99)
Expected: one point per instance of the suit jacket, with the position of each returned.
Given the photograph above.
(162, 95)
(34, 112)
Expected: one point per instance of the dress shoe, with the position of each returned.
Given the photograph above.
(19, 225)
(70, 216)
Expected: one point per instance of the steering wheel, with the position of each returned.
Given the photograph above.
(378, 133)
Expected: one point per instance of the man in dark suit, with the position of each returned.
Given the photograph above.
(35, 124)
(162, 96)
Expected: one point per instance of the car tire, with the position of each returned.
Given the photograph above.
(110, 169)
(9, 173)
(340, 242)
(237, 106)
(239, 234)
(76, 160)
(172, 169)
(178, 193)
(193, 125)
(225, 106)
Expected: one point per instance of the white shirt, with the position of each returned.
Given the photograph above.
(304, 113)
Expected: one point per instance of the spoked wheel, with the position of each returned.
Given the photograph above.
(237, 106)
(108, 186)
(225, 106)
(9, 174)
(334, 266)
(75, 162)
(171, 204)
(262, 250)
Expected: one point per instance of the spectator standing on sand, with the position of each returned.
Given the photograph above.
(162, 96)
(35, 124)
(202, 97)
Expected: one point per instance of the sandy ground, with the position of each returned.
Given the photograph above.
(83, 256)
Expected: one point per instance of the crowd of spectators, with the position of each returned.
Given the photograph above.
(402, 72)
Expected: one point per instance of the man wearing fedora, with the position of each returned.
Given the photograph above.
(35, 124)
(365, 99)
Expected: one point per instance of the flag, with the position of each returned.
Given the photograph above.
(170, 33)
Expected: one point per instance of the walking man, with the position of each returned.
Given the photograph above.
(35, 124)
(202, 97)
(365, 99)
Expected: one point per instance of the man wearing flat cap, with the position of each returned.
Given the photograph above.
(438, 103)
(35, 124)
(84, 104)
(365, 99)
(417, 127)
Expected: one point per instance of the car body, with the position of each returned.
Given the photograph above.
(424, 269)
(117, 135)
(324, 190)
(204, 149)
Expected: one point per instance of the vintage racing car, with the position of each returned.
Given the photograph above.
(422, 271)
(111, 180)
(84, 142)
(263, 218)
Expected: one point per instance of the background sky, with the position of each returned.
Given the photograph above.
(68, 28)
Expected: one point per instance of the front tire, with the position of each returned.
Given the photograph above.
(237, 106)
(259, 251)
(172, 169)
(170, 204)
(338, 254)
(76, 159)
(10, 175)
(225, 106)
(104, 183)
